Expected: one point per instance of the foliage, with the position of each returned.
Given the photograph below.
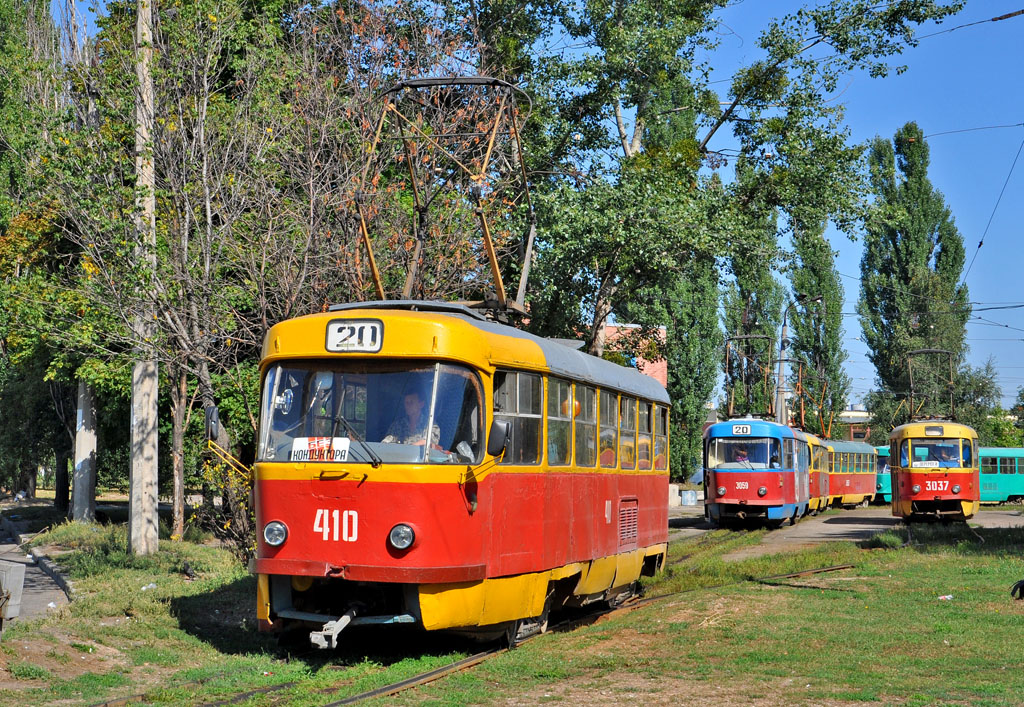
(817, 327)
(265, 113)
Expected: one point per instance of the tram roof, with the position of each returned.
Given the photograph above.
(561, 359)
(758, 428)
(851, 447)
(1016, 452)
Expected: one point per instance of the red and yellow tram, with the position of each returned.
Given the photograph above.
(934, 466)
(852, 473)
(420, 464)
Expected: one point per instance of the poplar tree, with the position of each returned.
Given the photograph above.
(911, 294)
(752, 316)
(817, 328)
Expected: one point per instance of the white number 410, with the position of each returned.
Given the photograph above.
(345, 523)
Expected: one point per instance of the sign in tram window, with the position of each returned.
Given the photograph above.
(586, 426)
(560, 409)
(517, 398)
(627, 432)
(609, 412)
(1007, 465)
(644, 438)
(661, 437)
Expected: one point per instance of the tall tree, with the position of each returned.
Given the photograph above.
(752, 310)
(911, 294)
(818, 327)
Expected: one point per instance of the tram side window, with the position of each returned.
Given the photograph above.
(559, 422)
(609, 412)
(643, 441)
(788, 446)
(661, 437)
(905, 454)
(586, 426)
(1007, 465)
(989, 465)
(517, 398)
(627, 432)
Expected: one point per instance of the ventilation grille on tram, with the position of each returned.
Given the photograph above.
(628, 515)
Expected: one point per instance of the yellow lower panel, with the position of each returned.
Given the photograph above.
(970, 508)
(483, 603)
(904, 508)
(263, 597)
(627, 568)
(598, 577)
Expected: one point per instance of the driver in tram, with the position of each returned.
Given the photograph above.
(945, 456)
(411, 428)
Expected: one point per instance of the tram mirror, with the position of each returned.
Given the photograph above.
(498, 437)
(212, 422)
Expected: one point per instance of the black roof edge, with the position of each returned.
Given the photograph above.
(412, 306)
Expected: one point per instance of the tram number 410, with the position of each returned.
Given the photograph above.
(335, 525)
(939, 485)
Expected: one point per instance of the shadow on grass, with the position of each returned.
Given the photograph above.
(689, 522)
(225, 619)
(943, 537)
(856, 519)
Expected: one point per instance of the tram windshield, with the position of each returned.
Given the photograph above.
(371, 412)
(935, 452)
(743, 453)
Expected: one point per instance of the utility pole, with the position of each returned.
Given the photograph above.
(781, 413)
(143, 538)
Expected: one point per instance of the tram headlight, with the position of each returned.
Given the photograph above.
(401, 537)
(275, 533)
(763, 491)
(956, 488)
(916, 488)
(721, 490)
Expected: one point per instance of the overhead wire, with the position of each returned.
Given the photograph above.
(993, 214)
(972, 24)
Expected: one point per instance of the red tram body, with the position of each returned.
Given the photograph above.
(361, 526)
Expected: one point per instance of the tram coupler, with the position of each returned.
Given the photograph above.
(327, 637)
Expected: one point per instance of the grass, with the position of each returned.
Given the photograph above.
(876, 633)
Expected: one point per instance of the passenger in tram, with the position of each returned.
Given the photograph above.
(740, 455)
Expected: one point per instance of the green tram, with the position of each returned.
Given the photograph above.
(1001, 479)
(883, 479)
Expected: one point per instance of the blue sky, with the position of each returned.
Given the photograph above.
(967, 78)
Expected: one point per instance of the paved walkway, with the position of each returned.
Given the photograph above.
(39, 590)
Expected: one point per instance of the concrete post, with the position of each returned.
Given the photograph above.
(143, 536)
(83, 500)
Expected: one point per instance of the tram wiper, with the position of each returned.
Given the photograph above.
(375, 461)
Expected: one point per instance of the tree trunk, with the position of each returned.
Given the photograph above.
(179, 403)
(27, 479)
(143, 535)
(83, 506)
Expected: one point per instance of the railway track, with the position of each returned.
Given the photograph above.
(633, 605)
(474, 660)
